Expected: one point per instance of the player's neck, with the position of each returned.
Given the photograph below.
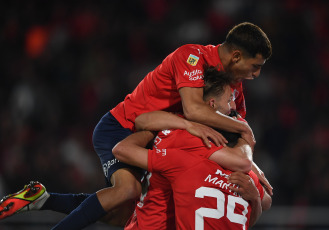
(224, 55)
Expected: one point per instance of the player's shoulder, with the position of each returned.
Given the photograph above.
(194, 49)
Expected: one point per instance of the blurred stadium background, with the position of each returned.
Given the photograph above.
(65, 63)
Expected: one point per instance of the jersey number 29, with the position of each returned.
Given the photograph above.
(220, 210)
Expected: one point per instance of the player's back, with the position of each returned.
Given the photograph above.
(203, 199)
(159, 89)
(155, 210)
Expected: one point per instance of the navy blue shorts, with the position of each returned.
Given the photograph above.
(108, 132)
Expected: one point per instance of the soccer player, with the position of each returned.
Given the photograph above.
(202, 191)
(175, 86)
(154, 211)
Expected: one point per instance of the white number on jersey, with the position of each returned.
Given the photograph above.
(220, 210)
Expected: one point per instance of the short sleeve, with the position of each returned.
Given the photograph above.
(188, 67)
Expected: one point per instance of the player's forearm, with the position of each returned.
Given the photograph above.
(231, 162)
(160, 120)
(266, 201)
(256, 210)
(132, 149)
(138, 139)
(261, 176)
(244, 149)
(234, 158)
(240, 157)
(204, 114)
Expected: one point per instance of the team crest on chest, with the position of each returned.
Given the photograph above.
(192, 60)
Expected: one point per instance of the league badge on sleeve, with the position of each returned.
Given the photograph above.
(192, 60)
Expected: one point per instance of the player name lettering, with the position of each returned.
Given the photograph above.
(220, 183)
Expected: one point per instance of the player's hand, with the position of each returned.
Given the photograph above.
(248, 136)
(261, 176)
(246, 186)
(206, 134)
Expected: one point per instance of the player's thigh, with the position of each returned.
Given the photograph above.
(128, 180)
(127, 184)
(126, 187)
(107, 134)
(119, 216)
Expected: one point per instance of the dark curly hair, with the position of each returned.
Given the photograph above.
(249, 38)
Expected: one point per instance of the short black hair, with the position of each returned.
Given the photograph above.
(249, 38)
(215, 81)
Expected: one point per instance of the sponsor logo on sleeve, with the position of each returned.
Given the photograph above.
(192, 60)
(194, 75)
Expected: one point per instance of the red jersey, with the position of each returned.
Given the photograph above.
(201, 194)
(155, 210)
(159, 89)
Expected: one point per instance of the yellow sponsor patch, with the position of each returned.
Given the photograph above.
(192, 60)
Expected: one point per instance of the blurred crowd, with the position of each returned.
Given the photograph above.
(66, 63)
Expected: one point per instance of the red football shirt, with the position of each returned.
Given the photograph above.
(201, 194)
(159, 89)
(155, 210)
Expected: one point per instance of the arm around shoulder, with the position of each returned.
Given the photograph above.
(195, 109)
(160, 120)
(131, 150)
(238, 158)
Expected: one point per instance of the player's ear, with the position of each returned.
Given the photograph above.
(236, 56)
(211, 102)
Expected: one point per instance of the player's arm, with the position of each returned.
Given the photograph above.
(261, 176)
(196, 110)
(249, 192)
(266, 201)
(131, 150)
(238, 158)
(160, 120)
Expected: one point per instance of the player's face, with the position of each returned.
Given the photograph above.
(224, 102)
(247, 67)
(232, 102)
